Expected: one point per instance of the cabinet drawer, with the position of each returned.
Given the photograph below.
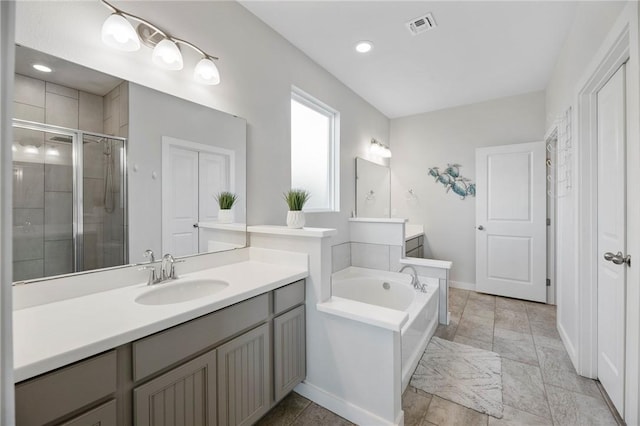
(412, 244)
(104, 415)
(166, 348)
(288, 296)
(56, 394)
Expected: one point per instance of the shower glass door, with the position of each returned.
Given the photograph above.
(43, 199)
(103, 207)
(69, 201)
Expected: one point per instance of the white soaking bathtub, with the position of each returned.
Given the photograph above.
(392, 290)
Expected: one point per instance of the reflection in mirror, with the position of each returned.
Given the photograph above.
(89, 160)
(373, 189)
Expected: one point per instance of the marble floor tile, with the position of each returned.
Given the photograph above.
(286, 411)
(473, 342)
(478, 328)
(314, 415)
(515, 346)
(486, 299)
(415, 406)
(546, 329)
(549, 342)
(515, 417)
(572, 408)
(442, 412)
(448, 332)
(557, 370)
(458, 296)
(522, 388)
(512, 320)
(541, 312)
(510, 304)
(478, 308)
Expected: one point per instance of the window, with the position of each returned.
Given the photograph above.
(315, 151)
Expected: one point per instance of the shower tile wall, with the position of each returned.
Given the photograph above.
(42, 198)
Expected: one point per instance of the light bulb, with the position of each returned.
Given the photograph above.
(167, 55)
(42, 68)
(206, 72)
(118, 33)
(53, 152)
(364, 46)
(385, 152)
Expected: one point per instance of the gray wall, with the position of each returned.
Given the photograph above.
(451, 136)
(257, 68)
(152, 115)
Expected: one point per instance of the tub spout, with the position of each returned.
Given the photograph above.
(414, 278)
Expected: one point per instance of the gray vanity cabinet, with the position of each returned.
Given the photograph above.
(288, 351)
(185, 396)
(415, 247)
(243, 378)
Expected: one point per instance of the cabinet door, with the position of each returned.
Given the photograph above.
(104, 415)
(289, 351)
(243, 378)
(185, 396)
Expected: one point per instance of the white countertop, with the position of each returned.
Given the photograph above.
(53, 335)
(295, 232)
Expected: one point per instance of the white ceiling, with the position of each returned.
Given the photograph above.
(480, 50)
(64, 72)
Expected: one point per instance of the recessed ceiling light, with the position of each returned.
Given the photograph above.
(42, 68)
(364, 46)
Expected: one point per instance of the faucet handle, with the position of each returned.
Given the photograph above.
(149, 253)
(153, 278)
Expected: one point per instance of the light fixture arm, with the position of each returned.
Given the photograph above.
(158, 30)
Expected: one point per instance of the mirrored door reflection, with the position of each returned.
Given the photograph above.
(104, 202)
(43, 234)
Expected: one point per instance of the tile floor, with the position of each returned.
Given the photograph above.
(540, 385)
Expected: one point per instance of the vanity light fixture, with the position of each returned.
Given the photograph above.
(118, 32)
(379, 149)
(364, 46)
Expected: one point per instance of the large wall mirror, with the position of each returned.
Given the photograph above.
(373, 189)
(105, 169)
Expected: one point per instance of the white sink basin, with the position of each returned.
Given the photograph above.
(181, 290)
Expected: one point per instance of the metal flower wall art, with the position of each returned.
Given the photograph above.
(454, 181)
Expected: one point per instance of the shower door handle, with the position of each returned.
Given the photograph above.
(195, 225)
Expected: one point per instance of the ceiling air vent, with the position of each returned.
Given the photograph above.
(421, 24)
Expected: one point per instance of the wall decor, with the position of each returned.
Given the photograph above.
(451, 179)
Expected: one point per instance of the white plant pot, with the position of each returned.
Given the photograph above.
(225, 216)
(295, 219)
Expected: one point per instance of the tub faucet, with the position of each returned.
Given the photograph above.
(414, 278)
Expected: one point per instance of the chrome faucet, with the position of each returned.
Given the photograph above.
(168, 269)
(153, 273)
(415, 282)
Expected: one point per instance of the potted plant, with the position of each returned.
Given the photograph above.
(226, 200)
(296, 199)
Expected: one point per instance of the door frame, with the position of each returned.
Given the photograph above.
(167, 143)
(620, 46)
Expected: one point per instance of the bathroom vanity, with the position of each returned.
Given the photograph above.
(228, 366)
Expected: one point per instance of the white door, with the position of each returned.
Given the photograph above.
(179, 201)
(511, 221)
(611, 236)
(214, 178)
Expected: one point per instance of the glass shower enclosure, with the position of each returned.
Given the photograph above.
(69, 201)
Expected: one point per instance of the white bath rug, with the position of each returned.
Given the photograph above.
(463, 374)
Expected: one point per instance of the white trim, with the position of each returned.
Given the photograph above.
(7, 48)
(462, 285)
(620, 46)
(342, 407)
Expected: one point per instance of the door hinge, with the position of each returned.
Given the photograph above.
(548, 282)
(548, 222)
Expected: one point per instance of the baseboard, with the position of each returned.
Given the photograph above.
(344, 408)
(462, 285)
